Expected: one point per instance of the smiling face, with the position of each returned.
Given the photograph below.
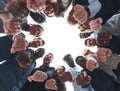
(60, 70)
(90, 42)
(48, 58)
(49, 11)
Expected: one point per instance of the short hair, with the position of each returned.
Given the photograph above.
(50, 53)
(84, 35)
(86, 41)
(67, 57)
(80, 59)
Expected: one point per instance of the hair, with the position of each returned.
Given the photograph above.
(84, 35)
(43, 42)
(80, 59)
(66, 57)
(39, 50)
(50, 53)
(39, 18)
(86, 41)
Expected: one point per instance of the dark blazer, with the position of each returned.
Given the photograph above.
(39, 86)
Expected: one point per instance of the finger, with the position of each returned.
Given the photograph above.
(30, 78)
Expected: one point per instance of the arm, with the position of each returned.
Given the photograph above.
(109, 9)
(5, 46)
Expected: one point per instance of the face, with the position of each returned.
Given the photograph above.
(40, 52)
(36, 43)
(69, 61)
(90, 42)
(36, 30)
(49, 11)
(60, 70)
(48, 58)
(81, 61)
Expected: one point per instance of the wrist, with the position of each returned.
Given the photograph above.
(4, 16)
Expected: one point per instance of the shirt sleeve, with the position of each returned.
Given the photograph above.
(94, 7)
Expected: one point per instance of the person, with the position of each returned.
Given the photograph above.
(10, 68)
(56, 8)
(106, 40)
(36, 81)
(101, 70)
(13, 25)
(85, 9)
(81, 79)
(59, 72)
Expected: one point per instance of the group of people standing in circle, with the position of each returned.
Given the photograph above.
(100, 69)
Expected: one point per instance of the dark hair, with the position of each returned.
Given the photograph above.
(84, 35)
(67, 57)
(50, 53)
(39, 18)
(81, 61)
(39, 50)
(85, 42)
(43, 42)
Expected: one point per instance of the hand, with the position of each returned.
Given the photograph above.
(14, 6)
(96, 24)
(91, 65)
(83, 79)
(19, 44)
(11, 27)
(23, 60)
(36, 5)
(51, 84)
(80, 14)
(103, 53)
(66, 76)
(103, 39)
(38, 76)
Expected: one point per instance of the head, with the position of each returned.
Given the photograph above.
(81, 61)
(48, 58)
(14, 7)
(23, 60)
(60, 70)
(69, 60)
(38, 17)
(39, 52)
(84, 35)
(91, 42)
(36, 30)
(36, 42)
(49, 11)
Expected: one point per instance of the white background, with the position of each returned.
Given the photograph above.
(61, 39)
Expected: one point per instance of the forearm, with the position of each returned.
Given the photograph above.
(5, 46)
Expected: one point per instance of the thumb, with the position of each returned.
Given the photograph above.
(12, 50)
(30, 78)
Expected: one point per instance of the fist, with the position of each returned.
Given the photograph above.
(51, 84)
(83, 79)
(19, 44)
(38, 76)
(103, 39)
(66, 76)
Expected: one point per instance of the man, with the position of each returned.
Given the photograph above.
(13, 26)
(11, 69)
(80, 79)
(36, 81)
(106, 40)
